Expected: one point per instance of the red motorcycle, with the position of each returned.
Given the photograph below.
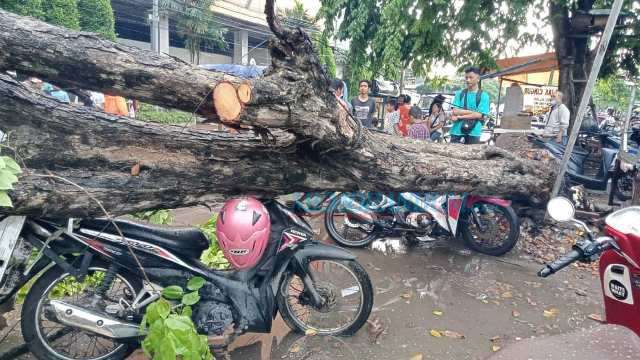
(619, 253)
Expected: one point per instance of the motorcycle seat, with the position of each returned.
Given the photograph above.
(189, 242)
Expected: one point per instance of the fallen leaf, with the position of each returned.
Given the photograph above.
(437, 313)
(406, 296)
(311, 332)
(453, 334)
(435, 333)
(550, 313)
(495, 338)
(495, 348)
(135, 170)
(515, 313)
(295, 349)
(416, 357)
(596, 317)
(485, 301)
(507, 295)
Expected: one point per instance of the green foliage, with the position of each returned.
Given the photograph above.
(97, 16)
(196, 24)
(24, 7)
(297, 16)
(213, 257)
(158, 217)
(62, 12)
(152, 113)
(69, 286)
(612, 92)
(9, 171)
(171, 333)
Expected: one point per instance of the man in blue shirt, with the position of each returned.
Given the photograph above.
(468, 114)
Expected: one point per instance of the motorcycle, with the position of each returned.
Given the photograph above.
(487, 224)
(90, 291)
(613, 176)
(619, 277)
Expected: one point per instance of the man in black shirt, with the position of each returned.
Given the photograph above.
(364, 107)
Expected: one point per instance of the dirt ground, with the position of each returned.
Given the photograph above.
(437, 301)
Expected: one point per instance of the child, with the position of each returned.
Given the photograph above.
(419, 128)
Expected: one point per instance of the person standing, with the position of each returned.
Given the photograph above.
(419, 128)
(470, 106)
(557, 121)
(364, 107)
(392, 118)
(115, 105)
(404, 106)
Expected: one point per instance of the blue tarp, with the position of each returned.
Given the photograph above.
(243, 71)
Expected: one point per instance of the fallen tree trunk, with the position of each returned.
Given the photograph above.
(297, 142)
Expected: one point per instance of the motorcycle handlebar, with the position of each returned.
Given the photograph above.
(561, 263)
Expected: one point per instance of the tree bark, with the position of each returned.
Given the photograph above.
(296, 141)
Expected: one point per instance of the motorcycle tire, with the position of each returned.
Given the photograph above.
(330, 225)
(506, 246)
(30, 313)
(364, 282)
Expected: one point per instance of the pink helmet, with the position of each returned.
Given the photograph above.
(243, 229)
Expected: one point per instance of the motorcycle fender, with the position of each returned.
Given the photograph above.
(303, 255)
(472, 199)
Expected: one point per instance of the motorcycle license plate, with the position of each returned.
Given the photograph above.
(10, 228)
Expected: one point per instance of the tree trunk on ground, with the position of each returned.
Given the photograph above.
(296, 141)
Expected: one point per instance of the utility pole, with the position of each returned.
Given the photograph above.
(155, 27)
(593, 76)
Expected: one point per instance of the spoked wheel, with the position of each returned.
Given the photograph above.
(344, 228)
(490, 229)
(49, 339)
(347, 293)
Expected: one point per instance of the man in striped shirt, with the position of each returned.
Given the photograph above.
(419, 128)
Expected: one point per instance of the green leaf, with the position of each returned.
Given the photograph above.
(10, 165)
(187, 311)
(5, 200)
(163, 308)
(173, 292)
(175, 324)
(6, 180)
(195, 283)
(166, 351)
(191, 298)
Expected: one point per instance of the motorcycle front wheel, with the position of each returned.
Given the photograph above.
(490, 229)
(343, 229)
(48, 339)
(346, 291)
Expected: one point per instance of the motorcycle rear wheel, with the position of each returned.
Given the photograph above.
(346, 235)
(55, 283)
(301, 316)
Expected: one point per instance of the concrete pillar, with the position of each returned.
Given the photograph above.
(164, 34)
(241, 47)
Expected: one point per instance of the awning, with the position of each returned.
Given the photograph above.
(548, 63)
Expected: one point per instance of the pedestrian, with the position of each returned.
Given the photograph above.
(470, 107)
(56, 93)
(419, 128)
(436, 118)
(392, 118)
(404, 106)
(115, 105)
(364, 107)
(557, 121)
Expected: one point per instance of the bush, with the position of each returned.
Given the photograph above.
(63, 13)
(157, 114)
(97, 16)
(24, 7)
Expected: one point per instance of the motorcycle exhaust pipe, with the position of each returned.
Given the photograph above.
(74, 316)
(357, 211)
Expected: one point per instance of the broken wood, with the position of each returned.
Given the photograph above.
(296, 140)
(227, 103)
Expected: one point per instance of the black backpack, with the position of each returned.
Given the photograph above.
(468, 125)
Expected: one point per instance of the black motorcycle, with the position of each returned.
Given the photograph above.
(91, 292)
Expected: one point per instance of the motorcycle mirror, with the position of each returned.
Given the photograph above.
(561, 209)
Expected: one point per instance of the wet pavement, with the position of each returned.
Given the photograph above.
(436, 301)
